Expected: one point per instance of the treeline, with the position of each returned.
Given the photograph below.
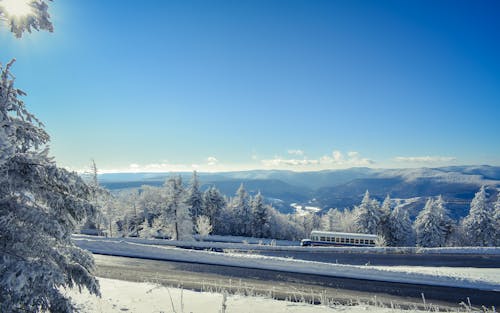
(433, 226)
(179, 211)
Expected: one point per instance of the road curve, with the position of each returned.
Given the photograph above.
(286, 285)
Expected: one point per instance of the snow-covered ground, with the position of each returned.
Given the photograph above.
(234, 242)
(304, 210)
(491, 275)
(122, 296)
(459, 278)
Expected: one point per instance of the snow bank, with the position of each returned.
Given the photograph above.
(253, 244)
(129, 249)
(122, 296)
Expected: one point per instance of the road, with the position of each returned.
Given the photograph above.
(285, 285)
(450, 260)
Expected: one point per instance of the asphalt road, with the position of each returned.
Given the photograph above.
(391, 259)
(291, 286)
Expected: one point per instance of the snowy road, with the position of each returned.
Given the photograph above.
(281, 285)
(353, 258)
(452, 286)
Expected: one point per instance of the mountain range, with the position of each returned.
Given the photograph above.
(339, 188)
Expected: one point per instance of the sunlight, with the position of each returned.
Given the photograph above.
(16, 8)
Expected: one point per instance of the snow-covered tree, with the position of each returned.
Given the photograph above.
(100, 198)
(479, 225)
(432, 226)
(194, 198)
(203, 226)
(176, 209)
(242, 212)
(260, 217)
(213, 204)
(447, 223)
(367, 215)
(400, 228)
(385, 215)
(40, 206)
(496, 219)
(25, 15)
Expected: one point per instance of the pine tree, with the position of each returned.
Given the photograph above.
(432, 226)
(496, 219)
(260, 217)
(213, 204)
(447, 224)
(367, 215)
(385, 214)
(176, 209)
(400, 228)
(479, 225)
(99, 198)
(39, 19)
(194, 199)
(241, 207)
(40, 206)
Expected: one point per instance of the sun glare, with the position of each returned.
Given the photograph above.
(17, 8)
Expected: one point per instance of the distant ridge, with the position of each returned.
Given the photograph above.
(337, 188)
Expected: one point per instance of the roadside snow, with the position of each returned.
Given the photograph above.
(232, 243)
(122, 296)
(491, 275)
(123, 248)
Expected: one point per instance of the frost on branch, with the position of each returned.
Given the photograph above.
(40, 205)
(37, 17)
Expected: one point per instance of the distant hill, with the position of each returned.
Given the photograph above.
(338, 188)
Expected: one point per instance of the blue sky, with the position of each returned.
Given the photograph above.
(230, 85)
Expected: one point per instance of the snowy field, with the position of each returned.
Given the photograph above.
(122, 296)
(459, 277)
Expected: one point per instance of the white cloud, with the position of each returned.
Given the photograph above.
(295, 152)
(211, 161)
(353, 158)
(279, 162)
(336, 159)
(425, 159)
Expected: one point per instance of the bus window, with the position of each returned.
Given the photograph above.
(352, 240)
(337, 240)
(342, 240)
(356, 241)
(372, 242)
(322, 239)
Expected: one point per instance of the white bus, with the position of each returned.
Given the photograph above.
(328, 238)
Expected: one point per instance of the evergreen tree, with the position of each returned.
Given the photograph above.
(331, 220)
(260, 218)
(40, 206)
(367, 215)
(99, 198)
(176, 209)
(241, 207)
(213, 204)
(39, 19)
(194, 199)
(479, 224)
(400, 228)
(447, 223)
(496, 219)
(385, 215)
(432, 226)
